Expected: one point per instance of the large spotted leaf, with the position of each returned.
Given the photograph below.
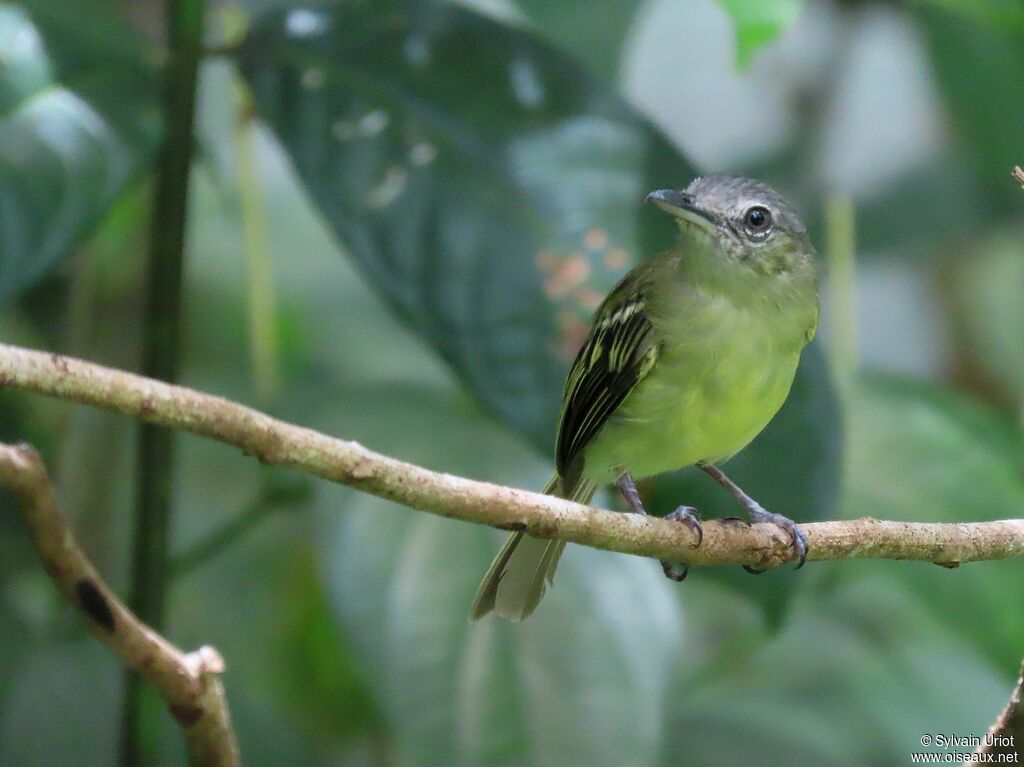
(488, 188)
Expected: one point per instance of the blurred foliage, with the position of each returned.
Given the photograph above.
(758, 23)
(954, 455)
(598, 46)
(981, 72)
(450, 188)
(1002, 14)
(68, 142)
(987, 294)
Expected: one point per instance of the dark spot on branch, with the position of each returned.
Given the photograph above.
(186, 716)
(362, 469)
(59, 362)
(95, 604)
(544, 528)
(732, 521)
(952, 565)
(55, 568)
(512, 527)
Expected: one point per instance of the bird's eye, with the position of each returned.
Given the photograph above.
(757, 221)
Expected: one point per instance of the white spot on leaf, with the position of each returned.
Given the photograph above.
(526, 83)
(312, 78)
(417, 52)
(372, 123)
(422, 153)
(302, 22)
(385, 193)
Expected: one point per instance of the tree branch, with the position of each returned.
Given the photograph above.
(189, 683)
(276, 442)
(1006, 735)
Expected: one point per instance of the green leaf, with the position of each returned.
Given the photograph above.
(758, 22)
(97, 54)
(488, 189)
(64, 158)
(920, 454)
(980, 71)
(570, 25)
(1001, 14)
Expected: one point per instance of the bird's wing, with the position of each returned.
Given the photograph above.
(618, 352)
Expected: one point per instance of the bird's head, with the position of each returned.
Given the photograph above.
(749, 227)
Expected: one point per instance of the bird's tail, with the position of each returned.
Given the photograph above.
(520, 573)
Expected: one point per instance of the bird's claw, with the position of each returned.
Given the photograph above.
(687, 515)
(789, 527)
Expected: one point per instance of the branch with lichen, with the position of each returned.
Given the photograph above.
(189, 683)
(276, 442)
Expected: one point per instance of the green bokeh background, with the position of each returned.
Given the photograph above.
(438, 192)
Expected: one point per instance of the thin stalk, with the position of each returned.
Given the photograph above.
(840, 250)
(256, 244)
(161, 332)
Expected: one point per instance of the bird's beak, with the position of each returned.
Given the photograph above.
(681, 205)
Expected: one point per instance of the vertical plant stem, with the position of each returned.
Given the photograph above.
(840, 249)
(161, 331)
(256, 244)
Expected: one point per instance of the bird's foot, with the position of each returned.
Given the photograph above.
(759, 514)
(688, 516)
(788, 526)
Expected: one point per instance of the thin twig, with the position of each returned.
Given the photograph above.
(276, 442)
(189, 683)
(1006, 735)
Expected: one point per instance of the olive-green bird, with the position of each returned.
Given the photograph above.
(688, 359)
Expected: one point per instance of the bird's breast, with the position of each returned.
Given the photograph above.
(722, 374)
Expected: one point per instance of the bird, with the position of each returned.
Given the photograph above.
(688, 358)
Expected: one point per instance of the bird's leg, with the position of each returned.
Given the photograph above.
(687, 515)
(759, 514)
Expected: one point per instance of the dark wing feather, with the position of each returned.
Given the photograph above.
(615, 356)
